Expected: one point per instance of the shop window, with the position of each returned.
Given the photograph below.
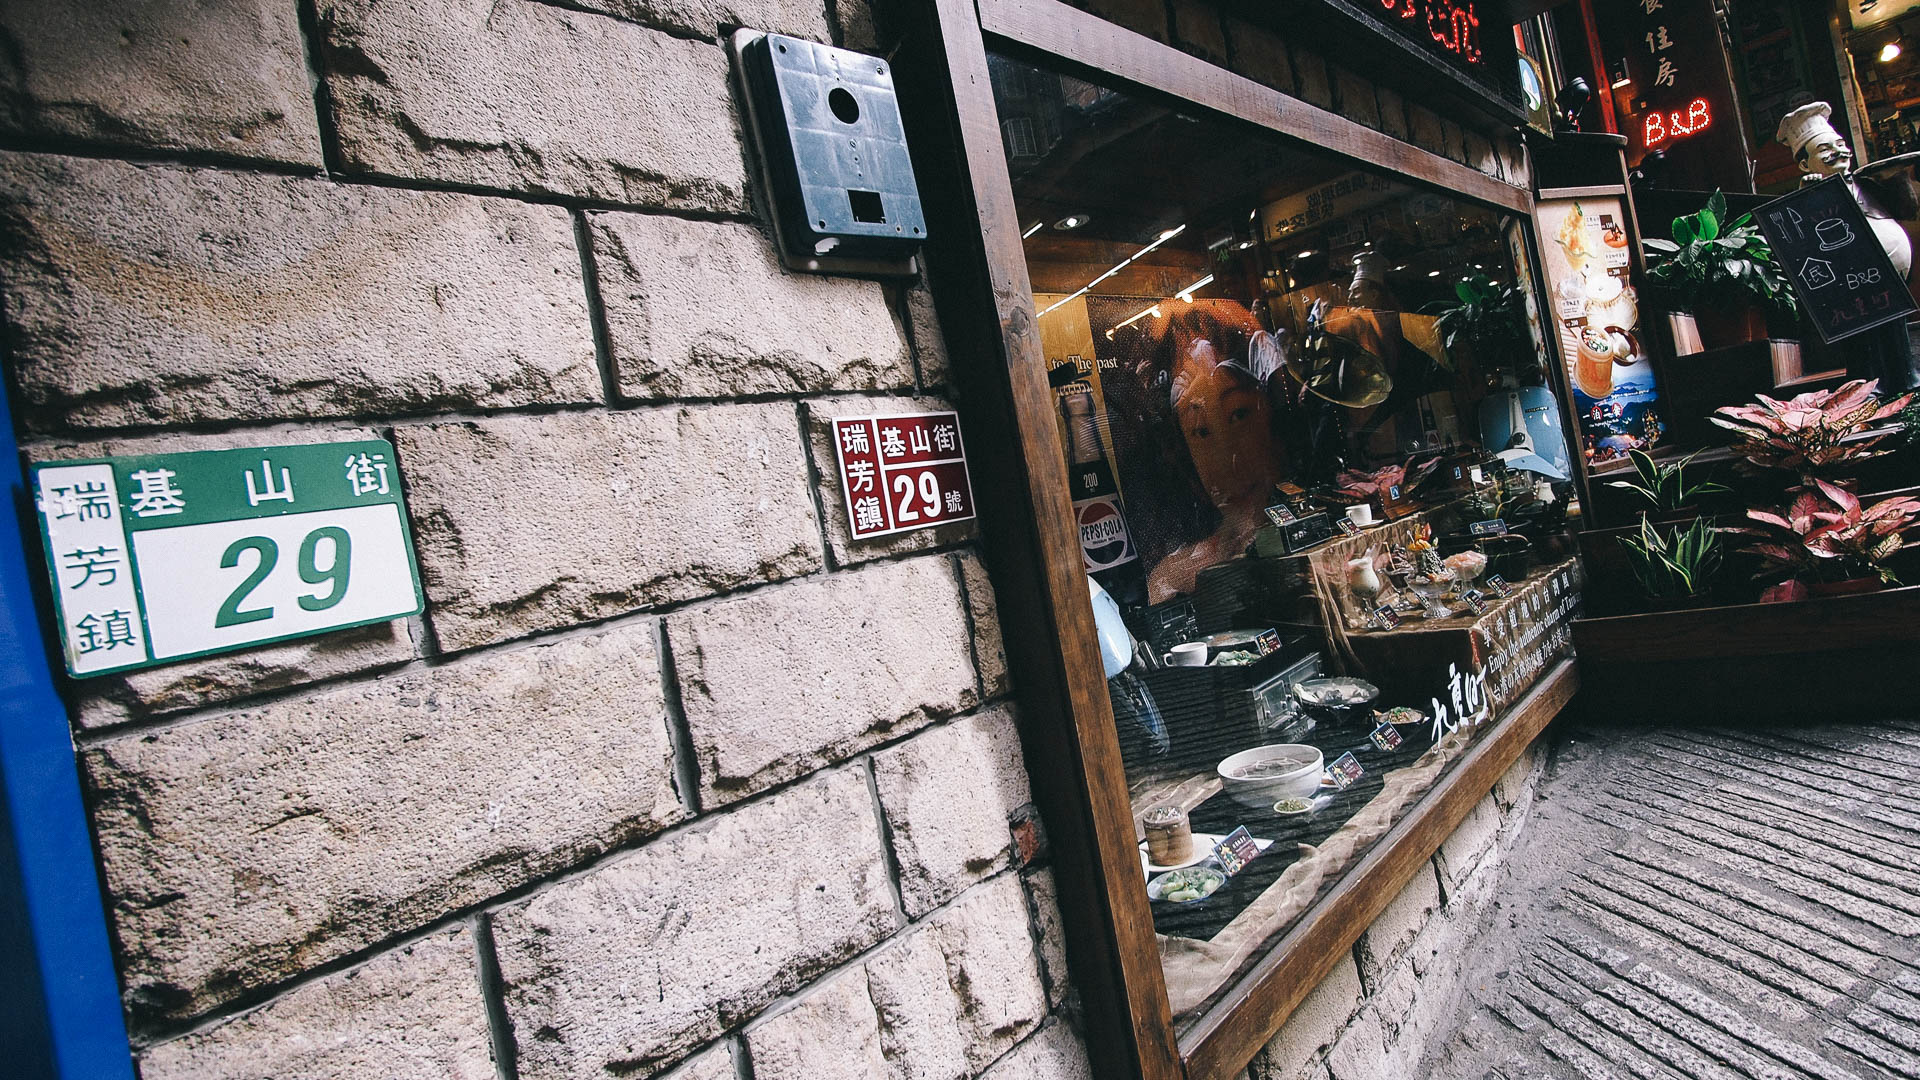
(1018, 133)
(1321, 511)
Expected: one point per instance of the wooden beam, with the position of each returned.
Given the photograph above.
(978, 270)
(1087, 39)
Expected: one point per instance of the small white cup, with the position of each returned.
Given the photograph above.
(1360, 513)
(1188, 654)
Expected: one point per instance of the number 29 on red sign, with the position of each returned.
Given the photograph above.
(1667, 126)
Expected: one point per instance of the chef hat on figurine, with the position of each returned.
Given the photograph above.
(1805, 124)
(1370, 266)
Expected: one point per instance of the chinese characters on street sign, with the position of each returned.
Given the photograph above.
(1671, 91)
(167, 556)
(902, 472)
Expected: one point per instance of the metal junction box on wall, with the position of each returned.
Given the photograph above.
(827, 127)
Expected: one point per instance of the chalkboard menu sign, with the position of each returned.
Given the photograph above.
(1834, 262)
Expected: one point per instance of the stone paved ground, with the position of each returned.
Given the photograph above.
(1718, 903)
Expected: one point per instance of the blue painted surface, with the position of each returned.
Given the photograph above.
(60, 1013)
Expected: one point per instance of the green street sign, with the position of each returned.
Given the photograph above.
(162, 557)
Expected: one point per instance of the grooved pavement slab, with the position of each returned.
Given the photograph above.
(1710, 903)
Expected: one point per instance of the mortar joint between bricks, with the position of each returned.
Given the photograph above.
(505, 1050)
(686, 767)
(887, 854)
(803, 413)
(596, 309)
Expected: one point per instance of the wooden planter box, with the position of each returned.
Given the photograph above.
(1813, 657)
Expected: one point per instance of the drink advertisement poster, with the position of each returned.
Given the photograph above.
(1588, 260)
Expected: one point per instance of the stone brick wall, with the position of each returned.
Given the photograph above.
(671, 778)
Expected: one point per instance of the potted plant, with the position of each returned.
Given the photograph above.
(1665, 487)
(1674, 567)
(1488, 325)
(1821, 435)
(1722, 272)
(1827, 541)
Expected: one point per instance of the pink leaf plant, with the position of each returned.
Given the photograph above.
(1826, 534)
(1820, 434)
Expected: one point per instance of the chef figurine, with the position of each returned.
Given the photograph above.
(1822, 152)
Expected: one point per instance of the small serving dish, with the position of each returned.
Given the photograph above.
(1186, 886)
(1401, 716)
(1336, 692)
(1293, 806)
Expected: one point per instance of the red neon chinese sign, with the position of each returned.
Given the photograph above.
(1452, 24)
(1663, 127)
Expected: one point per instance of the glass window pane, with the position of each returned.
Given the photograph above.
(1255, 346)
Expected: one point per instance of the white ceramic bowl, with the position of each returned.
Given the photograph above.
(1261, 793)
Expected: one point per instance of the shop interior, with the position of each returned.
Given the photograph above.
(1321, 487)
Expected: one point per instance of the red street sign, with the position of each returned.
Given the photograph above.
(902, 472)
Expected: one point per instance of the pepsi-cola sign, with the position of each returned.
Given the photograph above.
(1104, 540)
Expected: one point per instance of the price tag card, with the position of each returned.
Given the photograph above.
(1268, 642)
(1386, 737)
(1236, 850)
(1345, 770)
(1385, 617)
(1475, 599)
(1498, 586)
(1346, 525)
(1281, 514)
(1489, 527)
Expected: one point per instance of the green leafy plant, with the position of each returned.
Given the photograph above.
(1666, 486)
(1489, 322)
(1675, 563)
(1333, 364)
(1826, 535)
(1715, 262)
(1823, 435)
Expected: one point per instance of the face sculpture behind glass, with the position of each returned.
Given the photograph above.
(1827, 155)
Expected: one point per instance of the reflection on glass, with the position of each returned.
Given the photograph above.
(1321, 508)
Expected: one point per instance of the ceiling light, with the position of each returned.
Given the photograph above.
(1117, 267)
(1245, 244)
(1303, 254)
(1071, 221)
(1187, 293)
(1137, 316)
(1433, 273)
(1890, 51)
(1398, 269)
(1037, 226)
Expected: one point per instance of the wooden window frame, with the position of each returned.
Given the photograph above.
(984, 300)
